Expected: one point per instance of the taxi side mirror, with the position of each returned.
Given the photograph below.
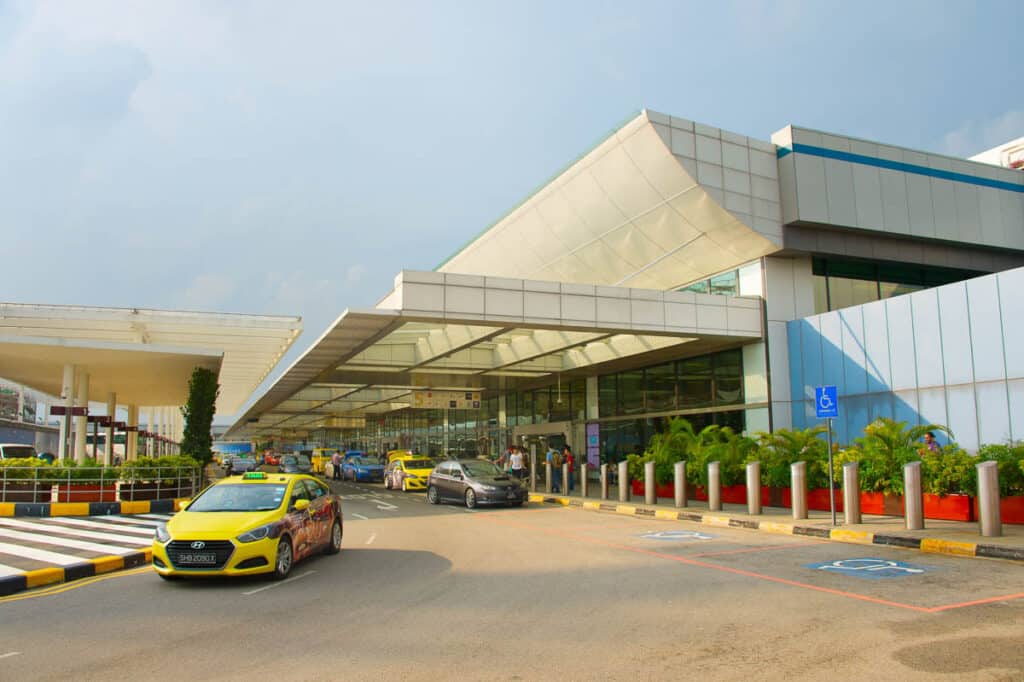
(301, 505)
(183, 504)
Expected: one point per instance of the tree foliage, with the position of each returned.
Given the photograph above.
(203, 390)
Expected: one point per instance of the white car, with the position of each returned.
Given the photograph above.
(16, 451)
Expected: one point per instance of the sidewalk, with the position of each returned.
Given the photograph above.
(941, 537)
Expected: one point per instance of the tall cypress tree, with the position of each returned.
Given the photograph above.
(197, 439)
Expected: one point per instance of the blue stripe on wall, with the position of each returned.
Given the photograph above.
(898, 166)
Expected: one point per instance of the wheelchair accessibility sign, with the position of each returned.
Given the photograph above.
(826, 402)
(680, 535)
(870, 568)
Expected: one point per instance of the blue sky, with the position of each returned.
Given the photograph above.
(268, 157)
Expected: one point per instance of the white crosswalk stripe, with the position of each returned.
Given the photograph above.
(158, 517)
(40, 555)
(130, 520)
(6, 571)
(42, 539)
(75, 532)
(98, 525)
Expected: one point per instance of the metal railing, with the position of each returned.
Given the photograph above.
(97, 484)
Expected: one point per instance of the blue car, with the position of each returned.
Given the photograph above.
(361, 468)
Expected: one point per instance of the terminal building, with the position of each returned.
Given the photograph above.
(677, 269)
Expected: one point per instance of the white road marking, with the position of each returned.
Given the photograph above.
(9, 654)
(96, 525)
(6, 571)
(40, 555)
(384, 506)
(158, 517)
(273, 585)
(66, 542)
(360, 516)
(75, 532)
(370, 540)
(130, 519)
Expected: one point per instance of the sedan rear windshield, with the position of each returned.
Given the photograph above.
(477, 469)
(239, 497)
(362, 461)
(16, 451)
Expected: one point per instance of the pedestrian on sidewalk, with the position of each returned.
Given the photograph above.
(571, 461)
(515, 463)
(555, 460)
(336, 466)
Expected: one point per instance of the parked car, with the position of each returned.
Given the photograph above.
(296, 464)
(408, 473)
(361, 469)
(241, 464)
(473, 482)
(272, 458)
(259, 523)
(16, 451)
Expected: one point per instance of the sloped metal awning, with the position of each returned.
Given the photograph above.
(461, 332)
(144, 356)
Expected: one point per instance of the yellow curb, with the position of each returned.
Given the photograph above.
(625, 509)
(137, 507)
(6, 509)
(666, 515)
(859, 537)
(69, 509)
(948, 547)
(536, 497)
(774, 527)
(712, 520)
(564, 501)
(43, 576)
(594, 506)
(106, 564)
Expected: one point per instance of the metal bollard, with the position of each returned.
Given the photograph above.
(547, 477)
(623, 482)
(680, 475)
(798, 486)
(913, 499)
(989, 518)
(650, 491)
(714, 486)
(566, 479)
(533, 468)
(584, 480)
(754, 488)
(604, 481)
(851, 493)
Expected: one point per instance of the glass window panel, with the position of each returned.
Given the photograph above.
(661, 387)
(890, 289)
(700, 287)
(725, 284)
(541, 405)
(729, 377)
(820, 294)
(695, 382)
(852, 269)
(843, 292)
(631, 391)
(579, 399)
(560, 411)
(607, 395)
(735, 420)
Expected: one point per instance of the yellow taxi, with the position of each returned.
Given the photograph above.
(248, 524)
(408, 473)
(321, 456)
(396, 454)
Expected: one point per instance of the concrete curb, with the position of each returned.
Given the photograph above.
(859, 537)
(61, 574)
(91, 508)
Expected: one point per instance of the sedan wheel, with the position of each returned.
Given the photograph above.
(335, 545)
(470, 498)
(432, 495)
(387, 482)
(405, 488)
(284, 560)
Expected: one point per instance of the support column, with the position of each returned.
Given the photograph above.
(151, 429)
(131, 439)
(67, 395)
(108, 456)
(82, 423)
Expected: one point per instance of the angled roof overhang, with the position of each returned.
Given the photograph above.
(660, 203)
(459, 332)
(144, 356)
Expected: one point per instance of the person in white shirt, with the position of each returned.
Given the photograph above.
(516, 462)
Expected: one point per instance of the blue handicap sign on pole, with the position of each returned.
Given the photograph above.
(826, 402)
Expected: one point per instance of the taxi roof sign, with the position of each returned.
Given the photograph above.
(254, 476)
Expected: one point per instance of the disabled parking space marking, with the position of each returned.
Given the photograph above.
(360, 516)
(679, 535)
(870, 568)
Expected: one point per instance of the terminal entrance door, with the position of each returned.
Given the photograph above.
(538, 438)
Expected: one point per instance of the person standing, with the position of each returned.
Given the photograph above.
(336, 466)
(555, 459)
(570, 460)
(931, 443)
(515, 463)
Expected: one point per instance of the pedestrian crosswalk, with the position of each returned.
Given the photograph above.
(28, 544)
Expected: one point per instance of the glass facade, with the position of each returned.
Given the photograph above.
(723, 284)
(841, 283)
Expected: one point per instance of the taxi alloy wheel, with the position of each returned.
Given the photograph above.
(387, 482)
(470, 498)
(285, 558)
(432, 495)
(335, 545)
(405, 488)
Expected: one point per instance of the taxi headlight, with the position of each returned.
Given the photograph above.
(161, 533)
(259, 533)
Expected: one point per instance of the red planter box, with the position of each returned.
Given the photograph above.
(668, 490)
(86, 493)
(949, 507)
(1012, 509)
(881, 504)
(776, 497)
(817, 499)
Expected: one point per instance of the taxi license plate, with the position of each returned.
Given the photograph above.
(204, 558)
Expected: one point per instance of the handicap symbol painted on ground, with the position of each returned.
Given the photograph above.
(685, 535)
(870, 567)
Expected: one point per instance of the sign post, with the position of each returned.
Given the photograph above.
(826, 406)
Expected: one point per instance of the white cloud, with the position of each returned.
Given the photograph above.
(974, 137)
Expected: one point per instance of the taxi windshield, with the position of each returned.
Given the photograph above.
(418, 464)
(239, 497)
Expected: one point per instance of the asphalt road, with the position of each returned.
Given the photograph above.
(423, 592)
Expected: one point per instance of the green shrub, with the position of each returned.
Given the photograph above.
(1009, 458)
(24, 468)
(779, 450)
(949, 471)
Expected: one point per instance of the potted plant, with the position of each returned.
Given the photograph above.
(24, 479)
(1010, 460)
(90, 482)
